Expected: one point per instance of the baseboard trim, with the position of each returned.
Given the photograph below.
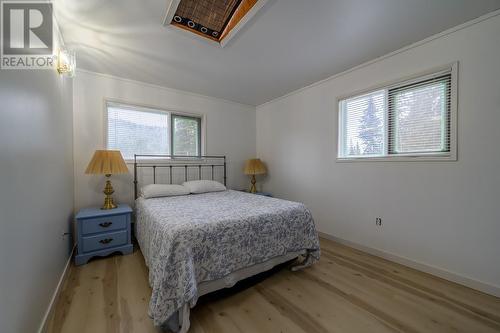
(56, 293)
(442, 273)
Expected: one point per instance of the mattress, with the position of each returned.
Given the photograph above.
(188, 241)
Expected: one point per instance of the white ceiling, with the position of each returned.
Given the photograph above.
(287, 45)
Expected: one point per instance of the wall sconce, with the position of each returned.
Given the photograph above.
(66, 62)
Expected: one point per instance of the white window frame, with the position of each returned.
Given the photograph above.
(410, 157)
(152, 108)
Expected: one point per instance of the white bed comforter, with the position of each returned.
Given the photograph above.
(194, 238)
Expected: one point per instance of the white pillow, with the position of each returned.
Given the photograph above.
(203, 186)
(163, 190)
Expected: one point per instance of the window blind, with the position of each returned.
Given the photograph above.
(363, 125)
(419, 116)
(137, 131)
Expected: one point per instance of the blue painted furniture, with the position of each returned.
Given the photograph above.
(102, 232)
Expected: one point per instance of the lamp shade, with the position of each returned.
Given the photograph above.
(107, 162)
(254, 167)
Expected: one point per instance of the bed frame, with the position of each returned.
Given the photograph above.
(176, 169)
(185, 163)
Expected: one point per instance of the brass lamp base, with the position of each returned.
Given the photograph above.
(108, 191)
(253, 188)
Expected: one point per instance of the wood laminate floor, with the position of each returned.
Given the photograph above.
(347, 291)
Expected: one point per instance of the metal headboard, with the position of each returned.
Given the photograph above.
(171, 162)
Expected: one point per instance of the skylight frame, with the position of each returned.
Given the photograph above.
(172, 8)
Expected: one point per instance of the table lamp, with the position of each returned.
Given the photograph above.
(254, 167)
(107, 162)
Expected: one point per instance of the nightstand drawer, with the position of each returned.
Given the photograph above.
(104, 241)
(104, 224)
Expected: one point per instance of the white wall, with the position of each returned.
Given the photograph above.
(36, 197)
(442, 214)
(230, 129)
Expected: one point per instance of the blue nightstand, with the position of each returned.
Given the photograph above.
(102, 232)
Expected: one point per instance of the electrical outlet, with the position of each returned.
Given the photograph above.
(64, 234)
(378, 221)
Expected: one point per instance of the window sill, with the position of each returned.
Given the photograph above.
(401, 158)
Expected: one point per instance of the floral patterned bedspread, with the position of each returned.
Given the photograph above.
(193, 238)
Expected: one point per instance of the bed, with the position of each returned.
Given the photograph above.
(198, 243)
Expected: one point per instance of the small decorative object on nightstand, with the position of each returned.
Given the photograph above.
(254, 167)
(102, 232)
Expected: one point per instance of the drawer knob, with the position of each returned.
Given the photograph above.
(105, 224)
(106, 240)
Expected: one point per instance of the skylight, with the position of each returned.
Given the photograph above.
(215, 20)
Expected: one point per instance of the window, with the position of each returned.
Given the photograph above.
(413, 119)
(186, 135)
(364, 124)
(137, 130)
(420, 117)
